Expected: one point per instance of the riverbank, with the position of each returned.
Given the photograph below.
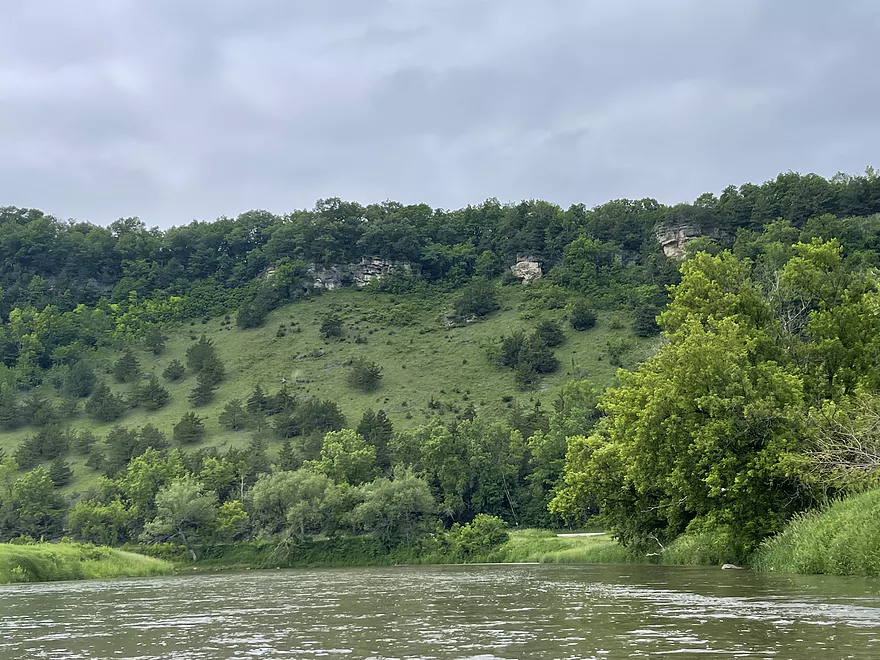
(840, 539)
(44, 562)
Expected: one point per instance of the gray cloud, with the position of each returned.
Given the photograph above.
(178, 110)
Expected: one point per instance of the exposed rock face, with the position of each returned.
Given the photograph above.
(359, 274)
(527, 269)
(672, 238)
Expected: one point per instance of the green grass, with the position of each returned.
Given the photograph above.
(545, 547)
(841, 539)
(73, 561)
(422, 361)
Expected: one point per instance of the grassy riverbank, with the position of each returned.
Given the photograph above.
(546, 547)
(42, 562)
(841, 539)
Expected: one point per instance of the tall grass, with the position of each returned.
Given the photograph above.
(73, 561)
(841, 539)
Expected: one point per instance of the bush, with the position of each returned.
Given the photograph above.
(581, 316)
(550, 332)
(365, 375)
(331, 326)
(478, 537)
(476, 299)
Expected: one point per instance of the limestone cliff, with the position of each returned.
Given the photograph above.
(672, 238)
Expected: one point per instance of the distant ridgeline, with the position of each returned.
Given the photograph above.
(76, 297)
(128, 276)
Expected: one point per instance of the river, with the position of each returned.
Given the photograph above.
(485, 612)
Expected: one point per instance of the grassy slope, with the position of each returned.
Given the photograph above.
(420, 361)
(73, 561)
(843, 539)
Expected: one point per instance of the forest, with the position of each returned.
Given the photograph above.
(746, 393)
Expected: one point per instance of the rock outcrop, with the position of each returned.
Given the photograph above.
(527, 269)
(359, 274)
(672, 238)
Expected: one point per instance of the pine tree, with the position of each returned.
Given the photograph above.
(203, 393)
(60, 472)
(150, 436)
(257, 402)
(154, 340)
(287, 457)
(104, 406)
(174, 371)
(80, 380)
(198, 353)
(212, 370)
(365, 375)
(281, 402)
(377, 430)
(127, 368)
(10, 414)
(152, 395)
(234, 416)
(189, 430)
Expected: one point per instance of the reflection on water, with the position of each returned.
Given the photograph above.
(447, 612)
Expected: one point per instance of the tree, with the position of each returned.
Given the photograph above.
(151, 395)
(189, 430)
(127, 368)
(346, 458)
(60, 472)
(706, 434)
(287, 457)
(581, 316)
(252, 314)
(203, 392)
(154, 340)
(183, 511)
(257, 402)
(122, 444)
(644, 321)
(365, 375)
(316, 416)
(394, 510)
(296, 504)
(38, 410)
(104, 406)
(212, 370)
(331, 326)
(200, 352)
(377, 430)
(80, 380)
(151, 437)
(145, 476)
(91, 521)
(38, 506)
(234, 416)
(478, 298)
(174, 371)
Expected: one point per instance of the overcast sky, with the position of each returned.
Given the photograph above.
(179, 109)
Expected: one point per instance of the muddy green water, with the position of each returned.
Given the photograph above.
(482, 612)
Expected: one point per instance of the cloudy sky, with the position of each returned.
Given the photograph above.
(178, 109)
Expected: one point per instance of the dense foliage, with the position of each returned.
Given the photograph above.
(769, 324)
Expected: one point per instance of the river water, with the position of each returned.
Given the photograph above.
(485, 612)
